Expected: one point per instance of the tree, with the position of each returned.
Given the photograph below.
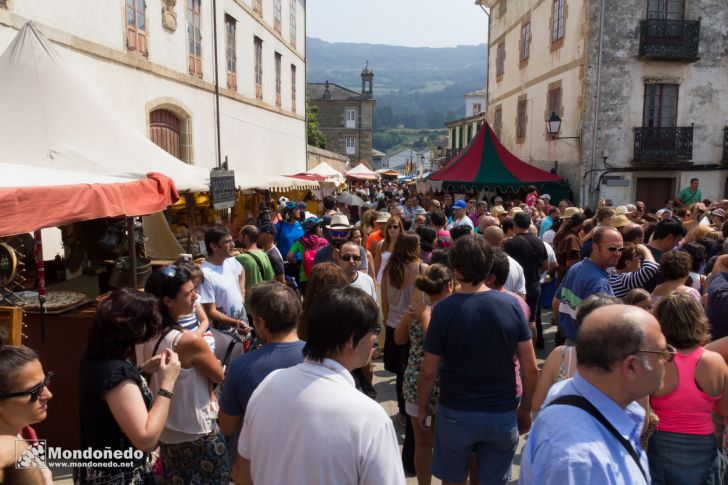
(315, 135)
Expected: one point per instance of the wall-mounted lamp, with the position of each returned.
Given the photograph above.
(553, 126)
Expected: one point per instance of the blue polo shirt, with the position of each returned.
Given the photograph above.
(569, 446)
(582, 280)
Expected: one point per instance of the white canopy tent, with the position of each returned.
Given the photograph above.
(331, 174)
(362, 172)
(51, 119)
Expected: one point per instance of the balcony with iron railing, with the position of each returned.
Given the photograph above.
(663, 146)
(670, 40)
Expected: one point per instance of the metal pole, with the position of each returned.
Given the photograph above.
(217, 83)
(131, 240)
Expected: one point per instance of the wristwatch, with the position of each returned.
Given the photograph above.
(165, 393)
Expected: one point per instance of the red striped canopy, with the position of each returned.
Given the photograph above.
(485, 162)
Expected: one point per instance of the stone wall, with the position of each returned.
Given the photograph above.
(331, 121)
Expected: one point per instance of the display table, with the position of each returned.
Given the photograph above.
(65, 341)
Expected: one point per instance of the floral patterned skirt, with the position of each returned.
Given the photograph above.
(203, 461)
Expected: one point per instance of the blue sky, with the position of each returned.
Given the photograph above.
(413, 23)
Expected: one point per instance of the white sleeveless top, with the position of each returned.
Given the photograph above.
(385, 259)
(190, 413)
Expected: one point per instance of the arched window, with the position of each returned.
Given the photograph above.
(165, 131)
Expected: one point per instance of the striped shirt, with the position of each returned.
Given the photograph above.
(622, 283)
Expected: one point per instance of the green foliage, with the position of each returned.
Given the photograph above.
(394, 140)
(315, 135)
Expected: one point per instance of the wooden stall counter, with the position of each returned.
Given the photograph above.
(65, 341)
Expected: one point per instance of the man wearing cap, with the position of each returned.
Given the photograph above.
(339, 230)
(689, 195)
(376, 236)
(459, 215)
(289, 230)
(547, 201)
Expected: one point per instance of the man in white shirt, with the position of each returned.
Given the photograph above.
(223, 292)
(308, 424)
(349, 258)
(459, 216)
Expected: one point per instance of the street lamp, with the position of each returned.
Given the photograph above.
(553, 126)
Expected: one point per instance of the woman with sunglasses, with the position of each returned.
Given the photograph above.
(192, 447)
(117, 409)
(683, 449)
(383, 250)
(24, 396)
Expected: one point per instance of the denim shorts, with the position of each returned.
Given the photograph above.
(683, 458)
(493, 437)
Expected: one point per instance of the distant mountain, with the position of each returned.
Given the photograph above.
(418, 87)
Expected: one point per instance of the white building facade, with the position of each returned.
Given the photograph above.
(153, 62)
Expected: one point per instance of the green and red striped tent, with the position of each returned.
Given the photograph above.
(485, 163)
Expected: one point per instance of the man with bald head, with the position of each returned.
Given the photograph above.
(588, 277)
(516, 281)
(485, 221)
(589, 430)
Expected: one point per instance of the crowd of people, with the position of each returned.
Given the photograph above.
(256, 366)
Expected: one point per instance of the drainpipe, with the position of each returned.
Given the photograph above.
(596, 106)
(305, 86)
(217, 84)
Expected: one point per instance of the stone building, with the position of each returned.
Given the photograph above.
(461, 131)
(152, 61)
(345, 116)
(638, 86)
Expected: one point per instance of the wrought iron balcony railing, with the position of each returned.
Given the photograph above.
(670, 40)
(665, 145)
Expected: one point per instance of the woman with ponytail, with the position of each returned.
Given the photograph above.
(432, 286)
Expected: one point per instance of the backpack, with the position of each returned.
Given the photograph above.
(310, 254)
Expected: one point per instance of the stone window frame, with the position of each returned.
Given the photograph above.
(258, 7)
(502, 8)
(136, 36)
(557, 42)
(660, 96)
(347, 145)
(293, 88)
(184, 114)
(521, 118)
(293, 20)
(348, 110)
(231, 62)
(551, 89)
(279, 76)
(258, 66)
(277, 15)
(498, 121)
(194, 21)
(500, 60)
(524, 44)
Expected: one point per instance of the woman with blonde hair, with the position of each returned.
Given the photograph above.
(683, 449)
(384, 249)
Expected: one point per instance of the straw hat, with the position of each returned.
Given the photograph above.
(570, 211)
(383, 217)
(621, 220)
(339, 221)
(497, 210)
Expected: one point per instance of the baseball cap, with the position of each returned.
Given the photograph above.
(461, 204)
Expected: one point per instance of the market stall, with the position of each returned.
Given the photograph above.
(362, 172)
(485, 164)
(331, 174)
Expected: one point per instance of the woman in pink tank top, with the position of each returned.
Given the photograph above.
(683, 449)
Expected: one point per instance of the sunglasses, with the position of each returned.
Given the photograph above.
(615, 249)
(339, 233)
(33, 392)
(394, 227)
(349, 257)
(668, 355)
(172, 273)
